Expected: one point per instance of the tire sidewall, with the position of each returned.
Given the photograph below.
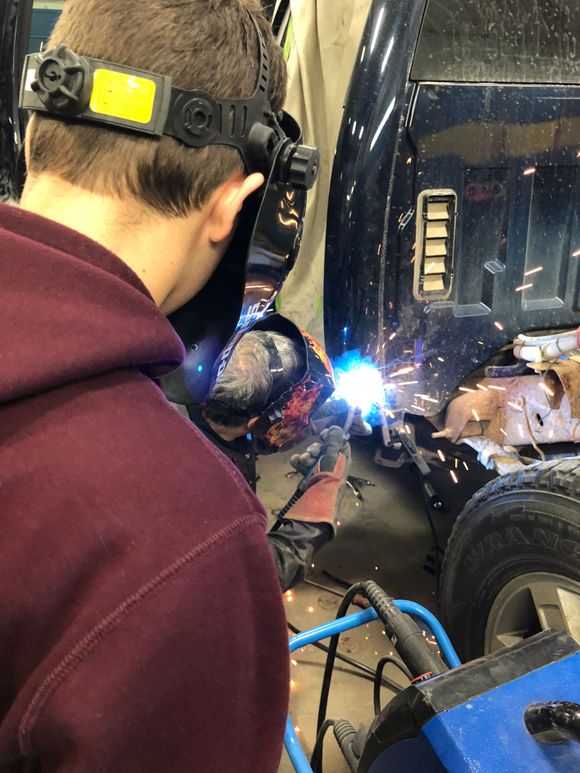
(499, 539)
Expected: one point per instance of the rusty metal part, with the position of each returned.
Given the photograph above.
(495, 456)
(495, 410)
(562, 377)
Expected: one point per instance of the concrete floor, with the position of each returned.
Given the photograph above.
(386, 538)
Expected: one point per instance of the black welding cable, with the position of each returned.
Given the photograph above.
(438, 549)
(366, 671)
(411, 641)
(316, 757)
(379, 675)
(354, 590)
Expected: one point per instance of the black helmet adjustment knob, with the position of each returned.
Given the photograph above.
(63, 81)
(300, 166)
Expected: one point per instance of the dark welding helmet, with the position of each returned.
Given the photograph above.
(264, 247)
(294, 397)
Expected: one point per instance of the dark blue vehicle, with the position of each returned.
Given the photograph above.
(454, 231)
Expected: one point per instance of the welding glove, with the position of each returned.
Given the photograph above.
(325, 467)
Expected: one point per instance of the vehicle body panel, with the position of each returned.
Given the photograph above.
(510, 152)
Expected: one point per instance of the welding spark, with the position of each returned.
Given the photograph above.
(524, 287)
(498, 325)
(441, 359)
(547, 389)
(514, 405)
(503, 432)
(475, 414)
(466, 389)
(402, 372)
(482, 387)
(576, 253)
(466, 465)
(533, 271)
(497, 388)
(407, 383)
(530, 170)
(441, 454)
(427, 398)
(454, 477)
(392, 336)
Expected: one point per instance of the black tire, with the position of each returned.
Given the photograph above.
(524, 522)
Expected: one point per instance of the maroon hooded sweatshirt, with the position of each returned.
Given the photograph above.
(141, 621)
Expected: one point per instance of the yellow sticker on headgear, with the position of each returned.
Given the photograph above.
(119, 95)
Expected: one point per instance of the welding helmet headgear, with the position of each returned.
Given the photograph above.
(263, 250)
(285, 420)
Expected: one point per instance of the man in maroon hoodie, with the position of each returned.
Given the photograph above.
(141, 623)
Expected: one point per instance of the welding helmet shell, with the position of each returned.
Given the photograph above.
(286, 419)
(260, 256)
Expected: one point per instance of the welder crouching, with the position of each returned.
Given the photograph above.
(276, 379)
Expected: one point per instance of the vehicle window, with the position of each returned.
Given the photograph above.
(502, 41)
(44, 16)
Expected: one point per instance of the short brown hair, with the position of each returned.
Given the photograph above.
(208, 45)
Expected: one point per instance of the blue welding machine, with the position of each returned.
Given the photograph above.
(514, 710)
(510, 711)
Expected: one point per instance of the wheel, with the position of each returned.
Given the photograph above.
(512, 563)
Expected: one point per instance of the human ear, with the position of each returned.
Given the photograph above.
(227, 202)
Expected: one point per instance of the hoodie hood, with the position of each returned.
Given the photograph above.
(70, 310)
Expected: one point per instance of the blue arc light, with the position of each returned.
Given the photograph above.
(359, 382)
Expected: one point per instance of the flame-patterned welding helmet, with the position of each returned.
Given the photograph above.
(285, 419)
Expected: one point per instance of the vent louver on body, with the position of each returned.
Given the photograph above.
(436, 215)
